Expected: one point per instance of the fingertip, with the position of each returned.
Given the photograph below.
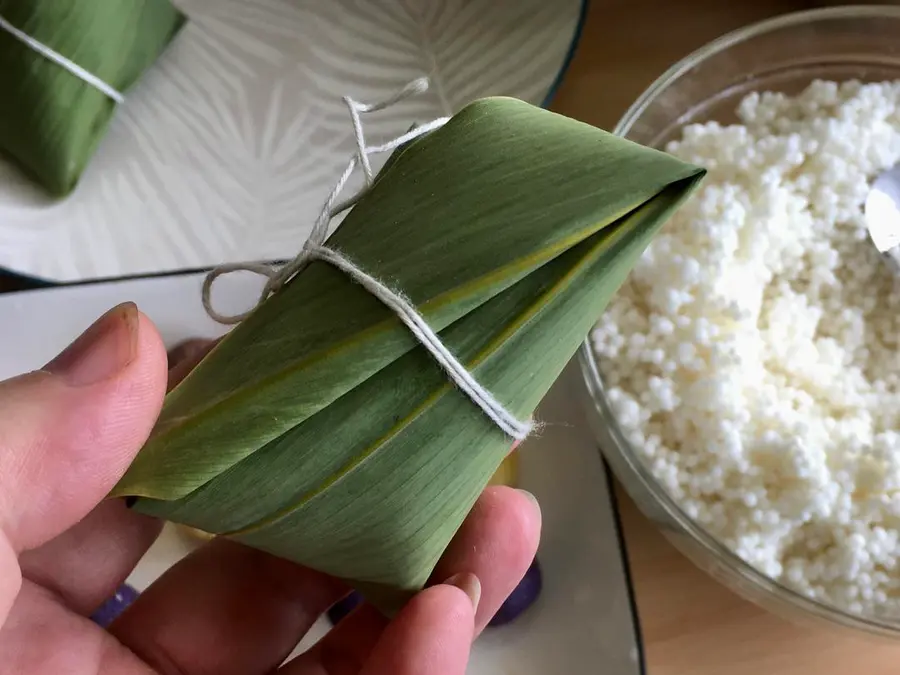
(534, 519)
(456, 598)
(73, 427)
(469, 584)
(431, 635)
(152, 358)
(154, 341)
(519, 510)
(497, 542)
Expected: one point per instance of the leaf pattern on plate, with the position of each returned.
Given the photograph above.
(225, 150)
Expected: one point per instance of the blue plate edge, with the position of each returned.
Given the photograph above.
(570, 55)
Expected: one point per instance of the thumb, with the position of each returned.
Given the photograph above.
(69, 430)
(432, 634)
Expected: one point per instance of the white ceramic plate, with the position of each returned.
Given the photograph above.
(227, 147)
(582, 623)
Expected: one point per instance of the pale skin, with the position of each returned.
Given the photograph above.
(70, 430)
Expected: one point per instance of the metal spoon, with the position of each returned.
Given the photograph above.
(882, 212)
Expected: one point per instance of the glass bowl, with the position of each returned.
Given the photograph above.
(782, 54)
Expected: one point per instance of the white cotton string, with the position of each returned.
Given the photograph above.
(425, 335)
(417, 86)
(314, 249)
(61, 60)
(409, 135)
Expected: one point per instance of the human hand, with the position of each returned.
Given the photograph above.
(70, 430)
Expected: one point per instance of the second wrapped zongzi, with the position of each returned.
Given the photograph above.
(51, 119)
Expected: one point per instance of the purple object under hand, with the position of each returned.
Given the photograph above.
(521, 598)
(343, 607)
(518, 601)
(112, 608)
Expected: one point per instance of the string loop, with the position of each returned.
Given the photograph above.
(314, 249)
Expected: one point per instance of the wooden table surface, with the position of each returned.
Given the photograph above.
(691, 624)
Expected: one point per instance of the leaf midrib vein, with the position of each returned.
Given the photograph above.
(239, 394)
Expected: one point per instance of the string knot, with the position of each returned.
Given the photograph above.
(314, 248)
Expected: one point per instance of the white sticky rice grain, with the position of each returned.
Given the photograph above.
(752, 357)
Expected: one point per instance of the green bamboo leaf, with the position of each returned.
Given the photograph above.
(460, 216)
(320, 431)
(51, 121)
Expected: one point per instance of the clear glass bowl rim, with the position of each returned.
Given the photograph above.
(635, 477)
(720, 44)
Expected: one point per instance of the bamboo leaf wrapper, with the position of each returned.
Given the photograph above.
(51, 121)
(321, 431)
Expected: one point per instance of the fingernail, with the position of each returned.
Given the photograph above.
(469, 584)
(102, 351)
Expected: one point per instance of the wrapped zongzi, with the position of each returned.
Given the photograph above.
(323, 431)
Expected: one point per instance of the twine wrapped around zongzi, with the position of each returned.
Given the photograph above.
(62, 61)
(315, 249)
(323, 431)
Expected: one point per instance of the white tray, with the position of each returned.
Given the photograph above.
(227, 147)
